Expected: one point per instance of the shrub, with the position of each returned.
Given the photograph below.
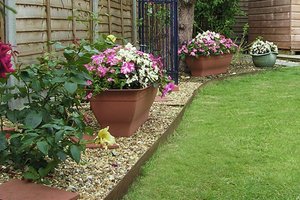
(54, 90)
(216, 15)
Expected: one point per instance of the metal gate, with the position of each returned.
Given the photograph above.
(158, 32)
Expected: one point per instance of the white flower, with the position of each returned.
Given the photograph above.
(261, 47)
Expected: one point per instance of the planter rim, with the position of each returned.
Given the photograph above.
(264, 54)
(120, 90)
(195, 57)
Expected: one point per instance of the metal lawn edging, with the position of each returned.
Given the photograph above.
(124, 184)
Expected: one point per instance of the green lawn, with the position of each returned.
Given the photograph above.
(240, 139)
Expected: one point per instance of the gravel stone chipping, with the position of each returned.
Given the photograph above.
(101, 169)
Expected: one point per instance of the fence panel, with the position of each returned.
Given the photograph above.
(40, 21)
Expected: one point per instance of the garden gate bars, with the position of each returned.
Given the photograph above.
(158, 32)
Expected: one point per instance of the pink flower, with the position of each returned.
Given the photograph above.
(5, 60)
(89, 82)
(89, 67)
(192, 54)
(140, 53)
(112, 60)
(102, 71)
(110, 51)
(168, 88)
(127, 67)
(89, 95)
(97, 59)
(110, 80)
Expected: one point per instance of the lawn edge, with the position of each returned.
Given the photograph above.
(124, 184)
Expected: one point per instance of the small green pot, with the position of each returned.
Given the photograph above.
(264, 60)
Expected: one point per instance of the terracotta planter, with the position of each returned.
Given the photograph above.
(209, 65)
(124, 111)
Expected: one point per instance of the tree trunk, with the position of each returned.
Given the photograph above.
(186, 21)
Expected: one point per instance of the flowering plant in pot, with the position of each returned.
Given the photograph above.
(264, 53)
(130, 76)
(208, 53)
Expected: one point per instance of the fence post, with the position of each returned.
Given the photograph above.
(95, 22)
(73, 22)
(10, 23)
(122, 19)
(48, 19)
(134, 28)
(109, 17)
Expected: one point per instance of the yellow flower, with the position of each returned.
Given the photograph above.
(104, 137)
(112, 38)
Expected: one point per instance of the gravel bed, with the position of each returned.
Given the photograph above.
(101, 169)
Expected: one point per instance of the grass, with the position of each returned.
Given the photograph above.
(239, 139)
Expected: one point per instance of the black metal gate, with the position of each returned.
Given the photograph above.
(158, 32)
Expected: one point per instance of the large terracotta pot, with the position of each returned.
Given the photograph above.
(124, 111)
(209, 65)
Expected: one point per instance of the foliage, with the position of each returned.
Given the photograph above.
(242, 47)
(158, 12)
(206, 44)
(238, 140)
(126, 68)
(262, 47)
(50, 116)
(216, 15)
(48, 119)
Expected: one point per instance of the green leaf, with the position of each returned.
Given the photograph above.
(70, 87)
(88, 48)
(75, 153)
(6, 97)
(12, 115)
(36, 85)
(58, 80)
(43, 146)
(33, 134)
(59, 136)
(33, 119)
(3, 142)
(24, 75)
(62, 155)
(45, 171)
(31, 174)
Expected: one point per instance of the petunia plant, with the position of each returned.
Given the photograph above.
(263, 47)
(207, 43)
(125, 67)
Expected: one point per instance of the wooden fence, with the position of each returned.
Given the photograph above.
(272, 20)
(40, 21)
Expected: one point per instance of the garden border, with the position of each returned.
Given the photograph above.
(124, 184)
